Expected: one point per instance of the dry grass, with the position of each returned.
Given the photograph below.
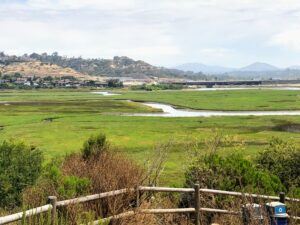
(40, 69)
(107, 171)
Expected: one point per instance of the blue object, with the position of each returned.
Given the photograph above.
(277, 213)
(280, 209)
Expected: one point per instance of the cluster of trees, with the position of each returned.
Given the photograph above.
(11, 77)
(114, 83)
(155, 87)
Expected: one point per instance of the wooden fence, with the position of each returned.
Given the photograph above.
(54, 204)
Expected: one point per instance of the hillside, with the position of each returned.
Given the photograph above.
(56, 65)
(117, 67)
(39, 69)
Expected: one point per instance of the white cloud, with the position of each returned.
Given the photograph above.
(289, 39)
(216, 52)
(159, 31)
(80, 4)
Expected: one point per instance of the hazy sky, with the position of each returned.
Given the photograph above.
(161, 32)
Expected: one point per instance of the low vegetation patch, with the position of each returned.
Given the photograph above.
(288, 127)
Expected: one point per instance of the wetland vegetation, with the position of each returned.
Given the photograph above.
(59, 121)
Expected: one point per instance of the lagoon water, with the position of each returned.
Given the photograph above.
(170, 111)
(104, 93)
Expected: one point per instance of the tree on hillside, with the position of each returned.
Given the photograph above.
(114, 83)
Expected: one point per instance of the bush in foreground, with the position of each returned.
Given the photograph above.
(97, 169)
(282, 158)
(94, 146)
(20, 166)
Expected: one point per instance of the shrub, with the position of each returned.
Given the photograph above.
(100, 170)
(282, 159)
(72, 186)
(230, 172)
(20, 166)
(94, 146)
(234, 173)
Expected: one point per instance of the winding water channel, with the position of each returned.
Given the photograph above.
(170, 111)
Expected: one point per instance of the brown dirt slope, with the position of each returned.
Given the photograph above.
(39, 69)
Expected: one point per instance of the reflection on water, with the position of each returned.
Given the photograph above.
(169, 111)
(104, 93)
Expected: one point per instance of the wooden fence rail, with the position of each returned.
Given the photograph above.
(93, 197)
(28, 213)
(54, 204)
(212, 191)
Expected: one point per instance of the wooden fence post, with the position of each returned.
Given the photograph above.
(197, 203)
(137, 190)
(282, 197)
(52, 200)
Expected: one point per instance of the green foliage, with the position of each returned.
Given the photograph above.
(65, 186)
(282, 159)
(81, 113)
(94, 145)
(232, 172)
(114, 83)
(73, 186)
(155, 87)
(16, 75)
(20, 166)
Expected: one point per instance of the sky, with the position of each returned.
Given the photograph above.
(231, 33)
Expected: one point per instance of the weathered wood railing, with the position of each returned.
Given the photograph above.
(54, 204)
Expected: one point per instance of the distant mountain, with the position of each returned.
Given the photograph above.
(256, 71)
(207, 69)
(266, 71)
(295, 67)
(259, 67)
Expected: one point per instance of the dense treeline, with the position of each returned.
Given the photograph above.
(155, 87)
